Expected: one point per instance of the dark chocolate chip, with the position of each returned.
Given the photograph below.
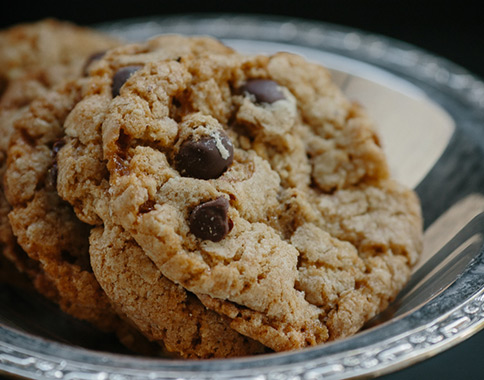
(209, 220)
(264, 90)
(205, 158)
(148, 206)
(123, 141)
(51, 179)
(121, 76)
(91, 59)
(119, 159)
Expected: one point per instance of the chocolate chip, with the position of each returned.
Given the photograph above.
(206, 158)
(121, 76)
(51, 179)
(209, 220)
(148, 206)
(91, 59)
(264, 90)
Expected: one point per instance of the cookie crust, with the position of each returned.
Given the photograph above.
(312, 236)
(300, 151)
(34, 58)
(172, 317)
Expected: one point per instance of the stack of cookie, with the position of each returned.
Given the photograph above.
(219, 204)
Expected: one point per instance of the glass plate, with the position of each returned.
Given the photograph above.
(430, 114)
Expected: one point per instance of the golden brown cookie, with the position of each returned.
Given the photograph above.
(162, 310)
(351, 264)
(34, 58)
(216, 165)
(47, 228)
(83, 176)
(58, 48)
(44, 225)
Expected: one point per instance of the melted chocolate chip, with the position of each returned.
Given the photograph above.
(91, 59)
(206, 158)
(209, 220)
(148, 206)
(121, 76)
(51, 179)
(264, 90)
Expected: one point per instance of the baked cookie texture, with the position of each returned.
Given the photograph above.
(33, 59)
(49, 231)
(57, 47)
(222, 204)
(163, 311)
(251, 182)
(46, 228)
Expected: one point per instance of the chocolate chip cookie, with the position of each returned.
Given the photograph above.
(162, 310)
(249, 181)
(82, 175)
(33, 59)
(44, 225)
(49, 142)
(60, 48)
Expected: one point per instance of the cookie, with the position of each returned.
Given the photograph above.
(82, 174)
(277, 138)
(161, 310)
(226, 170)
(33, 59)
(59, 48)
(46, 225)
(350, 265)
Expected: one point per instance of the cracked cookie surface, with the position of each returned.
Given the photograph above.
(44, 225)
(171, 316)
(162, 310)
(290, 162)
(33, 59)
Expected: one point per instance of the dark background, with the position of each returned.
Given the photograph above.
(454, 30)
